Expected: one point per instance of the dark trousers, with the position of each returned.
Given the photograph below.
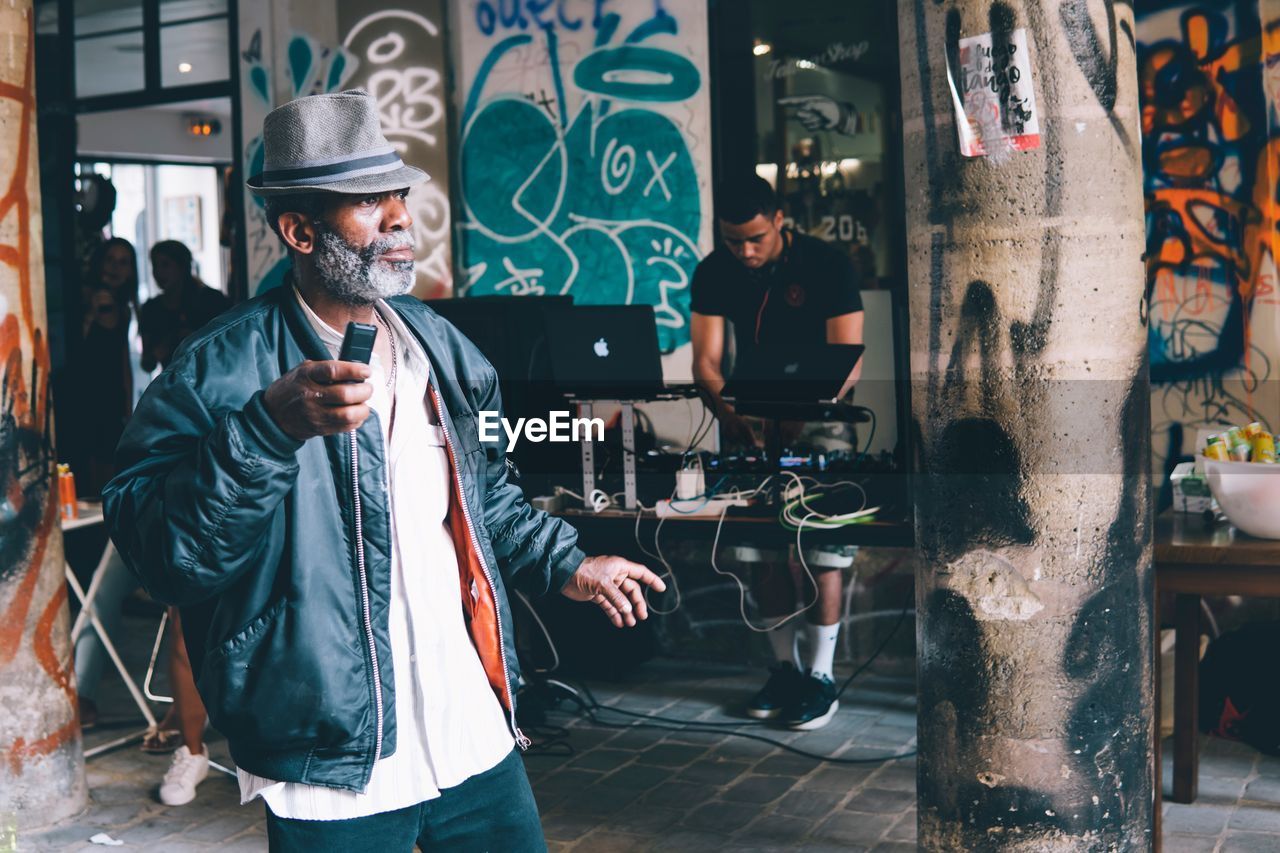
(492, 811)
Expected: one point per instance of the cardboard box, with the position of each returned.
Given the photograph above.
(1190, 489)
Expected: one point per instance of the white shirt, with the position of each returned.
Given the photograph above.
(449, 723)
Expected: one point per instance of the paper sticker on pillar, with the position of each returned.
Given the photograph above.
(993, 586)
(994, 99)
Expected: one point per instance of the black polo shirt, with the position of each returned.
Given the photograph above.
(786, 302)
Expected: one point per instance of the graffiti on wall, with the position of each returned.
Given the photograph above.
(401, 57)
(397, 55)
(584, 153)
(310, 68)
(1211, 165)
(30, 545)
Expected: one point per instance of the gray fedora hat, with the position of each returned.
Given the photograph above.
(329, 143)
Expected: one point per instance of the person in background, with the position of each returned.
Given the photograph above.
(778, 287)
(97, 383)
(94, 392)
(184, 305)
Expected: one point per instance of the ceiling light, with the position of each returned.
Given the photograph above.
(761, 48)
(804, 63)
(184, 67)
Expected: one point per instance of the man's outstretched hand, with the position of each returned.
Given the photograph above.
(615, 585)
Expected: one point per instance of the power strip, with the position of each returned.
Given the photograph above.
(695, 508)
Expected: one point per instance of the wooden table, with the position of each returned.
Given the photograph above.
(1194, 559)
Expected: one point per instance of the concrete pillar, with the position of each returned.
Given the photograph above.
(1031, 403)
(41, 762)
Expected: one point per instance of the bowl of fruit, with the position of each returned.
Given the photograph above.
(1244, 478)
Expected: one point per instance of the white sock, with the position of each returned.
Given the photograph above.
(822, 647)
(783, 640)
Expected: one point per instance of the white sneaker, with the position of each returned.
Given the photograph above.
(180, 780)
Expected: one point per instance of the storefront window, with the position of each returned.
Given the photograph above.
(825, 74)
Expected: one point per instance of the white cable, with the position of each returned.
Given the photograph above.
(742, 588)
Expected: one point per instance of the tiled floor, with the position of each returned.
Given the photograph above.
(637, 788)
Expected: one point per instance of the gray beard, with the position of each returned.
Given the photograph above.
(356, 276)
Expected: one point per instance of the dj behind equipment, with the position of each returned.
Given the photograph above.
(765, 447)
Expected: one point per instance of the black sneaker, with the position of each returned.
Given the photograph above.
(815, 704)
(780, 691)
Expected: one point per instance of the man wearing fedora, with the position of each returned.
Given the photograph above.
(340, 540)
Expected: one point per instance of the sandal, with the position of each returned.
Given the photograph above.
(158, 741)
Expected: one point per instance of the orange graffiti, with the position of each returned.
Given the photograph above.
(20, 752)
(24, 405)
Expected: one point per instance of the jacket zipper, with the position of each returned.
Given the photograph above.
(364, 594)
(521, 741)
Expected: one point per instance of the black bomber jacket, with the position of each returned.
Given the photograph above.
(253, 533)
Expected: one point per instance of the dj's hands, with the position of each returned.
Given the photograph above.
(735, 430)
(320, 398)
(614, 584)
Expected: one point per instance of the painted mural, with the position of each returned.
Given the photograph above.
(397, 54)
(585, 151)
(1210, 82)
(35, 663)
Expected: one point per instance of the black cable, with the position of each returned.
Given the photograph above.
(669, 724)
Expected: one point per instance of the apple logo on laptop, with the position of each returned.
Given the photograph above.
(791, 368)
(602, 348)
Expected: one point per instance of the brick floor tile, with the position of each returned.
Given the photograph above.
(724, 818)
(558, 826)
(652, 821)
(1177, 843)
(611, 841)
(904, 829)
(690, 841)
(677, 795)
(603, 759)
(895, 777)
(839, 778)
(1262, 789)
(713, 772)
(638, 776)
(758, 789)
(1250, 842)
(881, 800)
(1195, 820)
(813, 805)
(1251, 817)
(854, 828)
(786, 764)
(671, 754)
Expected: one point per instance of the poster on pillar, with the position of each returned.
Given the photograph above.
(584, 154)
(994, 98)
(396, 52)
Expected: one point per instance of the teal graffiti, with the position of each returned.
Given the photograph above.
(605, 206)
(312, 69)
(668, 76)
